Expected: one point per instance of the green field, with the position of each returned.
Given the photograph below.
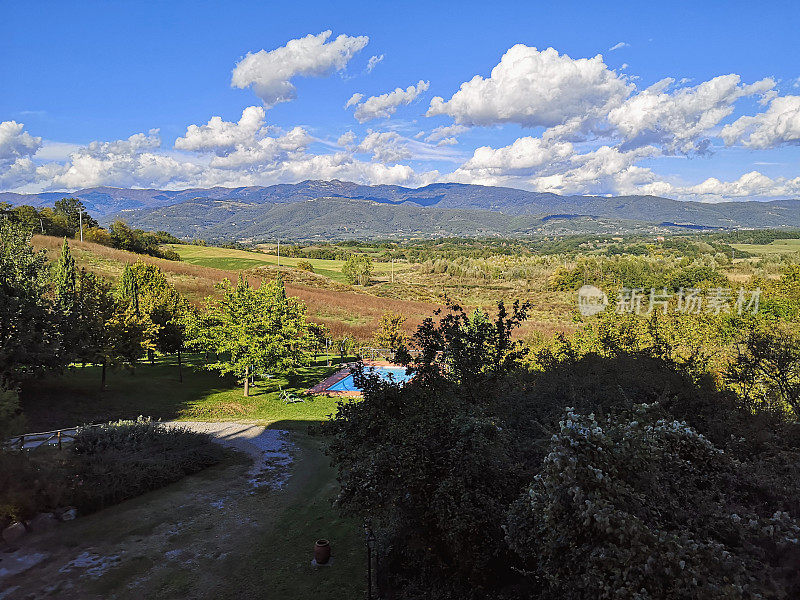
(776, 247)
(236, 260)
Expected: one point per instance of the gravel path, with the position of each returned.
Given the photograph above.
(270, 449)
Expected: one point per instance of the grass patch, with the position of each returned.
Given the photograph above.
(74, 398)
(776, 247)
(280, 562)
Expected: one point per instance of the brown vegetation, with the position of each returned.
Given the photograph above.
(343, 311)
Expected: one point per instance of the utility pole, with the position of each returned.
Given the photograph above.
(279, 253)
(392, 270)
(80, 220)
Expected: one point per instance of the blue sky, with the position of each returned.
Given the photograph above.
(79, 79)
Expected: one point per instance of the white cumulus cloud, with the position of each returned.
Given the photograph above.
(750, 185)
(16, 143)
(219, 135)
(17, 147)
(778, 125)
(679, 120)
(534, 88)
(446, 133)
(270, 73)
(385, 146)
(385, 105)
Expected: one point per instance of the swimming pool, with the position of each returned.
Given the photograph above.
(348, 385)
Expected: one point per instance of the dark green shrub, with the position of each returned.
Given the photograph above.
(106, 464)
(636, 506)
(124, 459)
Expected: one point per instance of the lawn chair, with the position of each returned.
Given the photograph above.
(288, 397)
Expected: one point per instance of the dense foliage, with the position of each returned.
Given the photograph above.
(30, 337)
(105, 465)
(357, 269)
(69, 218)
(611, 469)
(253, 330)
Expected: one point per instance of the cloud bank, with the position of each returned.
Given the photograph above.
(580, 127)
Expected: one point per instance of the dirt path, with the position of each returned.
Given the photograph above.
(240, 529)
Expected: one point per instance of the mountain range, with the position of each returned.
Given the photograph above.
(339, 209)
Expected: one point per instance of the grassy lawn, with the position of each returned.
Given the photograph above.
(154, 390)
(231, 259)
(776, 247)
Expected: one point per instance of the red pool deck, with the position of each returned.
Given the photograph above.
(322, 388)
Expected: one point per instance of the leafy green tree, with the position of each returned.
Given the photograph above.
(766, 370)
(27, 217)
(319, 335)
(129, 289)
(29, 337)
(123, 237)
(74, 214)
(253, 329)
(357, 269)
(111, 333)
(146, 288)
(390, 333)
(54, 223)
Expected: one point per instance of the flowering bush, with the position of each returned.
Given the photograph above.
(636, 506)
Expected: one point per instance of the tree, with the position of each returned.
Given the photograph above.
(766, 370)
(146, 288)
(29, 337)
(253, 329)
(357, 269)
(64, 281)
(124, 238)
(74, 214)
(480, 483)
(319, 335)
(54, 223)
(27, 217)
(111, 332)
(390, 334)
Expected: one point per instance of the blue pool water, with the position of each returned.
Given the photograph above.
(348, 385)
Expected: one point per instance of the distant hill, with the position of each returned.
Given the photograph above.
(340, 209)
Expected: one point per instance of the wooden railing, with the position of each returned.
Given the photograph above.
(31, 441)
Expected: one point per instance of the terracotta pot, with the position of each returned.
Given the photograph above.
(322, 552)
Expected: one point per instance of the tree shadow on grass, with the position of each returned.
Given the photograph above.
(74, 397)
